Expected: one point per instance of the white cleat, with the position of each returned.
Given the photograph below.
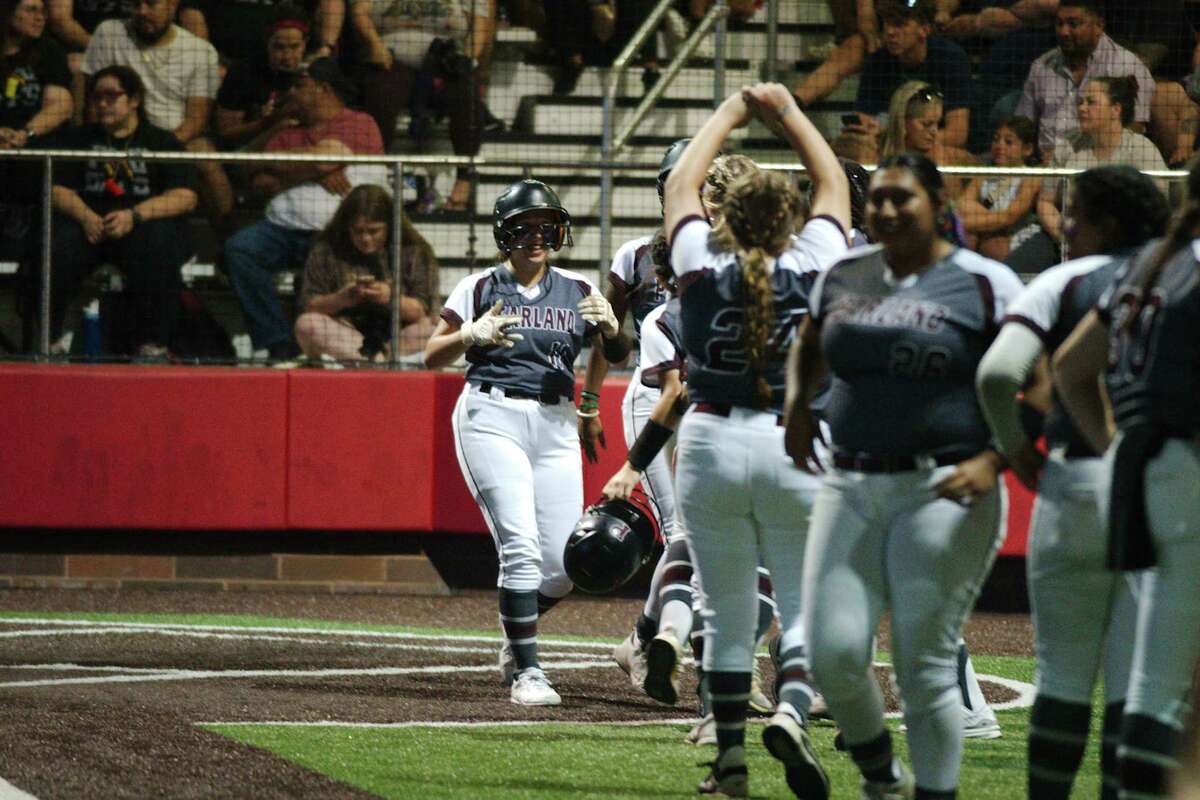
(903, 789)
(727, 775)
(785, 739)
(819, 708)
(759, 701)
(662, 668)
(705, 731)
(631, 658)
(531, 688)
(981, 724)
(508, 664)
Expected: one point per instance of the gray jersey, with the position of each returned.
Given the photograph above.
(543, 362)
(1051, 306)
(712, 302)
(662, 345)
(632, 274)
(1154, 342)
(903, 354)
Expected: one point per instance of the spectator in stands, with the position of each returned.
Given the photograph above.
(997, 210)
(915, 118)
(1105, 116)
(36, 100)
(74, 21)
(181, 78)
(255, 95)
(910, 53)
(234, 26)
(303, 197)
(347, 293)
(127, 211)
(856, 35)
(422, 56)
(1057, 80)
(577, 43)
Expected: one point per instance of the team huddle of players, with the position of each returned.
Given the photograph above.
(837, 419)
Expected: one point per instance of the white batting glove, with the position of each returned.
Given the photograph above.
(491, 329)
(596, 309)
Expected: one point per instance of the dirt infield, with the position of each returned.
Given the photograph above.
(101, 710)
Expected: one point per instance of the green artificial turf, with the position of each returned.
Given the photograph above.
(602, 761)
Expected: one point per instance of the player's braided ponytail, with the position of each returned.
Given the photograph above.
(760, 213)
(721, 175)
(1183, 228)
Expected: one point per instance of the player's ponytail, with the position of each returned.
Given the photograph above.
(1183, 228)
(760, 213)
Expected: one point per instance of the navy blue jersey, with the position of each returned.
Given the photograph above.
(662, 345)
(543, 362)
(1051, 306)
(1154, 342)
(632, 274)
(903, 353)
(712, 300)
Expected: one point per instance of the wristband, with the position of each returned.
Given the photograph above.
(649, 442)
(589, 404)
(615, 349)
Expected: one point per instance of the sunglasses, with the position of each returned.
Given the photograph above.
(927, 94)
(551, 234)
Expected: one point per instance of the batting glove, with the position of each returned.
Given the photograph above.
(491, 329)
(596, 310)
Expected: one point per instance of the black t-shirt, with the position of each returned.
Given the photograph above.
(24, 77)
(106, 186)
(237, 27)
(90, 13)
(250, 86)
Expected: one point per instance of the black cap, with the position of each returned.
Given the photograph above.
(922, 11)
(326, 70)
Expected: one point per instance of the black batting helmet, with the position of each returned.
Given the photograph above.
(524, 196)
(669, 159)
(611, 542)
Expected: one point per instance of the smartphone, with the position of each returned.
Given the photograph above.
(851, 119)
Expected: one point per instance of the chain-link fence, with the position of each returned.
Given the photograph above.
(232, 256)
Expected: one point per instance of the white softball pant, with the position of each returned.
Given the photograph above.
(522, 463)
(742, 503)
(886, 541)
(1168, 621)
(636, 406)
(1083, 613)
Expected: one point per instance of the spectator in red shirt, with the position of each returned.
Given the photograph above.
(303, 197)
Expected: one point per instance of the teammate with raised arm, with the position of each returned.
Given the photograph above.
(521, 324)
(741, 295)
(1084, 614)
(1144, 338)
(908, 519)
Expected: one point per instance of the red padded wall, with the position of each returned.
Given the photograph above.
(360, 450)
(134, 447)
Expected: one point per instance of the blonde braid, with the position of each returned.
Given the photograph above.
(760, 211)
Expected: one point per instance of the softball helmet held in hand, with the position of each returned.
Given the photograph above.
(521, 198)
(611, 542)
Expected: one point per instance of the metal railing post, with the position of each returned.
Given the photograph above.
(719, 53)
(606, 180)
(396, 250)
(44, 307)
(772, 40)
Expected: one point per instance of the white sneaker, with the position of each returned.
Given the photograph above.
(705, 731)
(508, 664)
(981, 724)
(531, 688)
(631, 657)
(662, 668)
(903, 789)
(819, 708)
(759, 701)
(785, 739)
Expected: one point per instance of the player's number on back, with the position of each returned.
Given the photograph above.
(726, 352)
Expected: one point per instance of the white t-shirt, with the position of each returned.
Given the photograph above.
(408, 27)
(185, 67)
(309, 206)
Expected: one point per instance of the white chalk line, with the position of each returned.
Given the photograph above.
(10, 792)
(135, 626)
(508, 723)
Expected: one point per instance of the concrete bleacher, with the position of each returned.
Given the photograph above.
(544, 127)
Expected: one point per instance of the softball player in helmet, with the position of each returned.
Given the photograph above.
(1144, 333)
(909, 517)
(521, 325)
(741, 295)
(1083, 613)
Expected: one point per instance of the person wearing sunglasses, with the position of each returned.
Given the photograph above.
(127, 211)
(521, 325)
(915, 117)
